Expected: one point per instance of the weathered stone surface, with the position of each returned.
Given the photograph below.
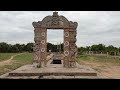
(53, 69)
(55, 22)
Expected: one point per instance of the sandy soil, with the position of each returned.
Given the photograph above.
(106, 69)
(9, 61)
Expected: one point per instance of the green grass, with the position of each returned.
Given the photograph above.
(98, 59)
(25, 58)
(5, 56)
(18, 61)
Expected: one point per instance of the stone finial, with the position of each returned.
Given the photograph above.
(55, 14)
(73, 24)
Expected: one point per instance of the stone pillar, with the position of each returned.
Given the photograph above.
(36, 48)
(72, 47)
(40, 46)
(66, 48)
(43, 32)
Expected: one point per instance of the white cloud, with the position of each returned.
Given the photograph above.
(94, 27)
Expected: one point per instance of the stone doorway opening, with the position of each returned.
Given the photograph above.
(55, 44)
(56, 61)
(55, 38)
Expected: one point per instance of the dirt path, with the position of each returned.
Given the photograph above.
(106, 69)
(9, 61)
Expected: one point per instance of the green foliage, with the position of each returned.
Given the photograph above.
(29, 47)
(81, 50)
(54, 48)
(98, 49)
(8, 48)
(4, 47)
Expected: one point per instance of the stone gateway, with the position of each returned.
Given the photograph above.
(40, 35)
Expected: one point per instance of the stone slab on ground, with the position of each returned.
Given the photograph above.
(72, 77)
(29, 70)
(53, 71)
(23, 77)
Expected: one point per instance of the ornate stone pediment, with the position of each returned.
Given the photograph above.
(55, 21)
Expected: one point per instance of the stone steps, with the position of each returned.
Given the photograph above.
(70, 77)
(54, 77)
(21, 77)
(53, 73)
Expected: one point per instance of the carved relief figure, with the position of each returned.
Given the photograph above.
(55, 21)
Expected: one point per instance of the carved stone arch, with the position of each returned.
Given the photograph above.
(65, 20)
(59, 21)
(56, 22)
(53, 22)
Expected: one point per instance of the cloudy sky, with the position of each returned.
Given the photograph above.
(94, 27)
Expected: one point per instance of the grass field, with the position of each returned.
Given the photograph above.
(106, 66)
(25, 58)
(16, 62)
(5, 56)
(99, 59)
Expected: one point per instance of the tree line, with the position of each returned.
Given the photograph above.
(55, 48)
(98, 49)
(9, 48)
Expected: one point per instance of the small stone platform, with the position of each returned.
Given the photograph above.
(29, 70)
(52, 71)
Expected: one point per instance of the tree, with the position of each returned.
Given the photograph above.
(119, 49)
(111, 49)
(49, 47)
(98, 48)
(18, 48)
(101, 48)
(81, 50)
(88, 48)
(29, 47)
(53, 47)
(94, 48)
(4, 47)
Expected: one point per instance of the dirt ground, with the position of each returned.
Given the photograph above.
(106, 69)
(109, 70)
(9, 61)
